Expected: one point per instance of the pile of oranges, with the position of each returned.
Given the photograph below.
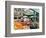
(20, 25)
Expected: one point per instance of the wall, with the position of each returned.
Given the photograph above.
(2, 19)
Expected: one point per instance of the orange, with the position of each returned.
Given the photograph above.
(18, 25)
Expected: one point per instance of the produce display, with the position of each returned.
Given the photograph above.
(26, 18)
